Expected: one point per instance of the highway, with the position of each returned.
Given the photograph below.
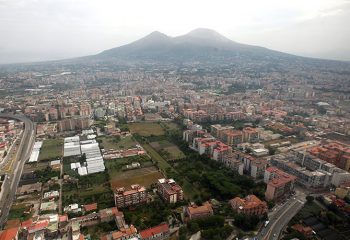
(23, 154)
(280, 218)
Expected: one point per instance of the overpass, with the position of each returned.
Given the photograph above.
(23, 154)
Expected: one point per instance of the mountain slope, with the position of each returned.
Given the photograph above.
(202, 45)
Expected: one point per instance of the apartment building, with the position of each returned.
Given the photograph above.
(169, 190)
(210, 146)
(254, 166)
(307, 178)
(314, 172)
(232, 161)
(220, 150)
(232, 137)
(280, 186)
(250, 134)
(71, 124)
(335, 153)
(125, 198)
(250, 205)
(217, 130)
(189, 135)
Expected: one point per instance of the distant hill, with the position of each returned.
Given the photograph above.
(198, 45)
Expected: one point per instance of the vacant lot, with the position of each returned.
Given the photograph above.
(52, 149)
(31, 167)
(162, 163)
(167, 150)
(146, 129)
(170, 125)
(115, 143)
(116, 166)
(89, 189)
(102, 195)
(17, 212)
(142, 176)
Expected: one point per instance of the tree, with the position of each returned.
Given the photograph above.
(270, 204)
(310, 199)
(83, 157)
(347, 199)
(272, 150)
(321, 110)
(246, 222)
(193, 227)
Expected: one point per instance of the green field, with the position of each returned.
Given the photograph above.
(17, 212)
(162, 163)
(102, 195)
(115, 143)
(143, 176)
(170, 125)
(167, 150)
(96, 231)
(116, 166)
(146, 129)
(52, 149)
(89, 189)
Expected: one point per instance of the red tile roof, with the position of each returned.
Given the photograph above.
(90, 207)
(9, 234)
(63, 218)
(38, 226)
(147, 233)
(27, 223)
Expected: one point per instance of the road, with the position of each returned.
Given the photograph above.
(23, 154)
(280, 218)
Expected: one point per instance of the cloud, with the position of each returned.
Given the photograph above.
(51, 29)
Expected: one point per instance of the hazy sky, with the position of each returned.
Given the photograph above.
(34, 30)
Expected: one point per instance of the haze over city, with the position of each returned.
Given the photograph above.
(39, 30)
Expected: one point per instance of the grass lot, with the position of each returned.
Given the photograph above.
(89, 189)
(162, 163)
(147, 215)
(167, 150)
(103, 196)
(17, 212)
(30, 167)
(116, 166)
(170, 125)
(142, 176)
(51, 149)
(146, 129)
(110, 142)
(96, 231)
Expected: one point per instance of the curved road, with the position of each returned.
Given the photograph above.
(23, 154)
(281, 218)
